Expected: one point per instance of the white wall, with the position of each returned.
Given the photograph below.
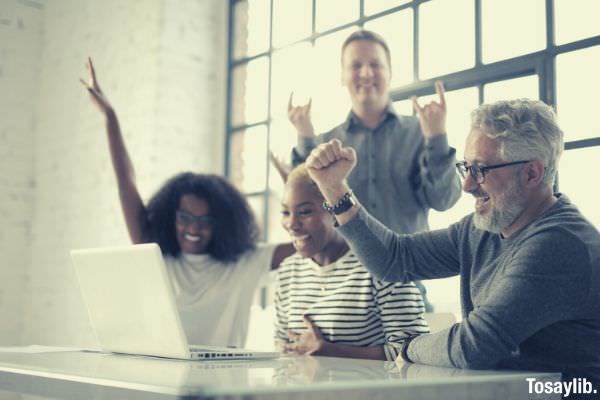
(20, 38)
(162, 63)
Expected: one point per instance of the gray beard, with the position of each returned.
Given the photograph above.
(510, 207)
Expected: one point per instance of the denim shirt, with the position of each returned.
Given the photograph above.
(399, 175)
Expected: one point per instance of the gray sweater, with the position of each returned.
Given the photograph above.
(531, 301)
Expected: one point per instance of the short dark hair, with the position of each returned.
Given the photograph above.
(235, 230)
(370, 36)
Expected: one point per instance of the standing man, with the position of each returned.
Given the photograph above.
(529, 262)
(405, 165)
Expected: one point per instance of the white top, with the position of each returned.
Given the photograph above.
(347, 304)
(214, 298)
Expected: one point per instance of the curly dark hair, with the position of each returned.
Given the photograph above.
(235, 230)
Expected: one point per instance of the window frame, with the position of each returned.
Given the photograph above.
(541, 63)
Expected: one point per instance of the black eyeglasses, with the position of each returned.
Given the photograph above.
(478, 172)
(187, 219)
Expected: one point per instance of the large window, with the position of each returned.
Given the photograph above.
(484, 50)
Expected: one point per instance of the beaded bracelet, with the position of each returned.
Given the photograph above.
(343, 204)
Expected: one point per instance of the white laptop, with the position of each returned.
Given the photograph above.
(132, 307)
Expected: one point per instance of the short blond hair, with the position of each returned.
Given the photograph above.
(300, 176)
(369, 36)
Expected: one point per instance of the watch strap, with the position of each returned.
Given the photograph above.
(342, 205)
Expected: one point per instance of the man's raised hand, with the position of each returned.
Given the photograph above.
(432, 116)
(329, 164)
(299, 116)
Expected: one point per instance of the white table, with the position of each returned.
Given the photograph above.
(83, 375)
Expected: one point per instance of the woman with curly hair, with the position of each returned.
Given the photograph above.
(207, 234)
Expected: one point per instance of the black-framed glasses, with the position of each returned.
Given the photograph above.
(478, 172)
(186, 219)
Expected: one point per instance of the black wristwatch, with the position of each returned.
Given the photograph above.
(343, 204)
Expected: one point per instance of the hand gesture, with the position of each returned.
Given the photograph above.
(309, 342)
(299, 116)
(433, 115)
(281, 167)
(98, 98)
(329, 164)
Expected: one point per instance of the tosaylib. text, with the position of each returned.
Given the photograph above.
(565, 388)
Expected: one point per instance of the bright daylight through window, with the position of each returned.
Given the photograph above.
(283, 46)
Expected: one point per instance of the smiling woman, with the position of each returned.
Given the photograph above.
(207, 234)
(201, 214)
(326, 301)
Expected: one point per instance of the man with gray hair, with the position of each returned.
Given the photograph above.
(529, 262)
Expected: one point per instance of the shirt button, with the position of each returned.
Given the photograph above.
(373, 180)
(373, 206)
(373, 155)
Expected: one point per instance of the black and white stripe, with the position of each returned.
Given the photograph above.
(347, 304)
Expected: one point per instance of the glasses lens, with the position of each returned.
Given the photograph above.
(476, 173)
(462, 169)
(187, 219)
(184, 218)
(466, 170)
(205, 221)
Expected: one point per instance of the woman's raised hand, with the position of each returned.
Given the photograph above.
(96, 94)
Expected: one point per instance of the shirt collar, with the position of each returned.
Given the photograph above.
(352, 120)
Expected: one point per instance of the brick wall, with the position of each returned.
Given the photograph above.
(20, 37)
(162, 65)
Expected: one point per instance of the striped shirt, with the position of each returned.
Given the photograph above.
(347, 304)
